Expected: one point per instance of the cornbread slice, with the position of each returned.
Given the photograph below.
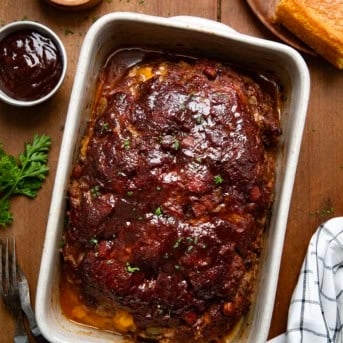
(319, 23)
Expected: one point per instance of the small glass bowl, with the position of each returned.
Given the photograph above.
(44, 30)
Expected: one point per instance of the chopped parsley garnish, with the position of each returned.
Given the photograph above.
(218, 180)
(131, 269)
(95, 191)
(182, 105)
(104, 127)
(62, 243)
(176, 144)
(177, 243)
(324, 212)
(199, 160)
(93, 241)
(190, 248)
(127, 145)
(199, 119)
(158, 211)
(129, 193)
(67, 31)
(177, 267)
(158, 188)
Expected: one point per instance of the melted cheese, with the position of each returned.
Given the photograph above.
(73, 308)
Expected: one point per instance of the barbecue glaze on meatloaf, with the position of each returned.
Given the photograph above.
(169, 198)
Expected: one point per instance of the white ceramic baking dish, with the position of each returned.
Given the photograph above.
(190, 36)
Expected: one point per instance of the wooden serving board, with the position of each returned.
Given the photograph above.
(264, 10)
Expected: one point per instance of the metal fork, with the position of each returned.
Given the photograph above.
(9, 292)
(24, 293)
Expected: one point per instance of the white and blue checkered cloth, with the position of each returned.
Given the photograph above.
(316, 309)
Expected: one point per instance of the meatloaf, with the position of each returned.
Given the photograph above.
(170, 196)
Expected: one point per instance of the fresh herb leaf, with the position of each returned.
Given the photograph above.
(67, 31)
(6, 217)
(127, 145)
(176, 144)
(158, 188)
(93, 241)
(177, 243)
(158, 211)
(199, 120)
(177, 267)
(23, 176)
(95, 191)
(218, 180)
(129, 193)
(131, 269)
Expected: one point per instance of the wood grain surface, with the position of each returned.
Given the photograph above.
(319, 180)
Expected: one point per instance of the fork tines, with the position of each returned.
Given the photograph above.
(5, 267)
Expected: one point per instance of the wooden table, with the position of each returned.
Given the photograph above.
(319, 181)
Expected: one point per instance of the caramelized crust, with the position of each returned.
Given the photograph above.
(170, 196)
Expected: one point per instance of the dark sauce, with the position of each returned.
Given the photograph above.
(169, 199)
(30, 65)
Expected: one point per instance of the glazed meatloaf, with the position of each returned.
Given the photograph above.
(170, 196)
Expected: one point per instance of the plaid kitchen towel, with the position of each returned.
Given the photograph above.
(316, 310)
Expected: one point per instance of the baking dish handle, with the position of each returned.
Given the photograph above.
(203, 23)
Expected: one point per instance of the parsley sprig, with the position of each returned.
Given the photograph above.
(24, 175)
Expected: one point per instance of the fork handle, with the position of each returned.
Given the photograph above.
(21, 339)
(20, 333)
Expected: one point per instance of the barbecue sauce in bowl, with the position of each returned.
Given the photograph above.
(30, 65)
